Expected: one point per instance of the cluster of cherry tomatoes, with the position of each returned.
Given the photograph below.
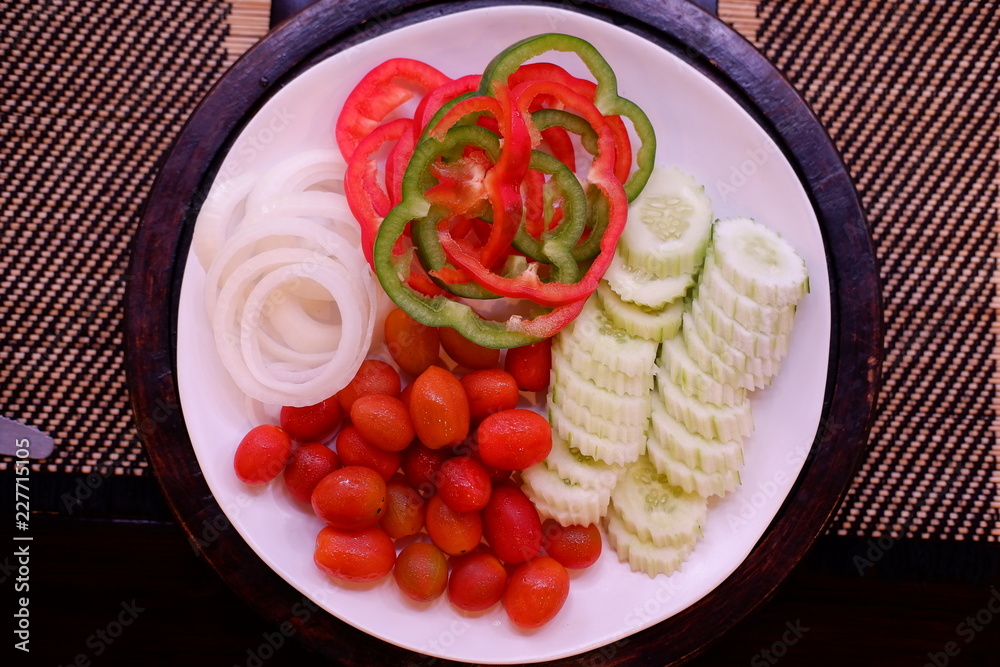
(430, 466)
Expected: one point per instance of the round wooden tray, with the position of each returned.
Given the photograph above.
(161, 247)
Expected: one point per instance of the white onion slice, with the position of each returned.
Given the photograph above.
(319, 169)
(220, 213)
(329, 209)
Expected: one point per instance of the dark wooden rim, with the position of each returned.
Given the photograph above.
(160, 251)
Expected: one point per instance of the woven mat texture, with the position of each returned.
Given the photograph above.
(908, 91)
(92, 93)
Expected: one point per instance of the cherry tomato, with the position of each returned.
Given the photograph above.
(511, 525)
(575, 547)
(307, 465)
(489, 390)
(405, 509)
(464, 484)
(530, 365)
(514, 439)
(439, 408)
(421, 571)
(466, 353)
(354, 450)
(350, 498)
(421, 465)
(362, 555)
(455, 533)
(313, 423)
(262, 454)
(373, 377)
(383, 421)
(412, 345)
(536, 591)
(477, 581)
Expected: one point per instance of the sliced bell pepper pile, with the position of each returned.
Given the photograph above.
(514, 183)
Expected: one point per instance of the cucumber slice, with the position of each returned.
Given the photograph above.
(570, 464)
(600, 374)
(612, 429)
(729, 332)
(567, 500)
(721, 298)
(656, 510)
(597, 447)
(762, 369)
(643, 288)
(678, 367)
(651, 323)
(593, 333)
(669, 225)
(713, 365)
(627, 410)
(692, 480)
(727, 422)
(693, 450)
(644, 556)
(758, 262)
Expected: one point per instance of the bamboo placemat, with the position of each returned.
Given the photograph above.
(92, 93)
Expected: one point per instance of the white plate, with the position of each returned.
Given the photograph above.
(699, 128)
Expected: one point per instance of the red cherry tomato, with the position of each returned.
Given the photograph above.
(455, 533)
(511, 524)
(466, 353)
(530, 365)
(536, 591)
(361, 555)
(421, 465)
(421, 571)
(350, 498)
(262, 454)
(354, 450)
(405, 509)
(383, 421)
(489, 390)
(575, 547)
(477, 581)
(464, 484)
(373, 377)
(313, 423)
(514, 439)
(439, 408)
(307, 465)
(413, 346)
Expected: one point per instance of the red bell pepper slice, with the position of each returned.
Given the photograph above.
(380, 92)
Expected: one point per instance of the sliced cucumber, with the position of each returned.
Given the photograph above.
(656, 510)
(719, 297)
(758, 262)
(627, 410)
(651, 323)
(643, 288)
(716, 367)
(592, 332)
(691, 449)
(584, 363)
(570, 464)
(727, 332)
(670, 224)
(643, 556)
(612, 429)
(610, 451)
(691, 480)
(761, 368)
(676, 364)
(567, 502)
(729, 422)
